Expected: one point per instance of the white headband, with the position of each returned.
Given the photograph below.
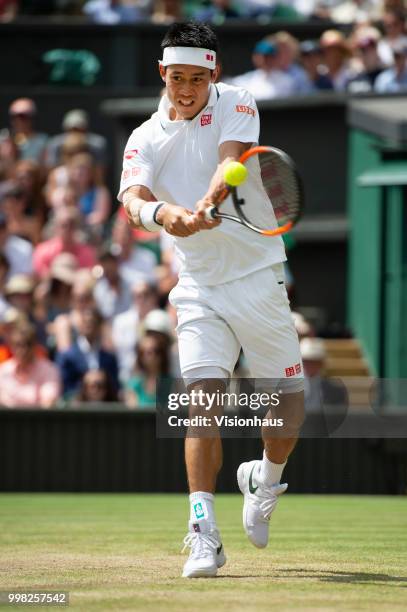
(193, 56)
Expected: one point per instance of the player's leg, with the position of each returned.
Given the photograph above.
(208, 351)
(263, 324)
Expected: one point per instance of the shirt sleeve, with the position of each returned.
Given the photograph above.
(239, 117)
(137, 164)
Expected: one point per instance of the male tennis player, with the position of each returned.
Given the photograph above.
(230, 292)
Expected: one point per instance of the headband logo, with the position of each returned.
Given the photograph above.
(209, 57)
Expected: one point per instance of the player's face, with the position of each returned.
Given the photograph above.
(187, 88)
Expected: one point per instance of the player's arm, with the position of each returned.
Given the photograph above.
(228, 151)
(144, 211)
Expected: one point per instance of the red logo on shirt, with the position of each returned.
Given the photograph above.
(293, 370)
(209, 57)
(206, 119)
(240, 108)
(131, 172)
(130, 154)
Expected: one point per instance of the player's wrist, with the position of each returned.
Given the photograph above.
(148, 216)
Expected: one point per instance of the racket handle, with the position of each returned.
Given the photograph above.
(210, 213)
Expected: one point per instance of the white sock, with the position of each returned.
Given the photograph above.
(202, 507)
(270, 473)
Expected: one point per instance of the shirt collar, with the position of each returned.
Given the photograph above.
(164, 107)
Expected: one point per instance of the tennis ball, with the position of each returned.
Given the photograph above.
(235, 173)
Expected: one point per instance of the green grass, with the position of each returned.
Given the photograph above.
(122, 552)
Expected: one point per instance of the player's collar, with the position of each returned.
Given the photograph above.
(164, 107)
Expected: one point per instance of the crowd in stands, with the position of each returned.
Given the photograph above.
(367, 60)
(84, 314)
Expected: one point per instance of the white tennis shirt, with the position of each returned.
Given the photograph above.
(176, 161)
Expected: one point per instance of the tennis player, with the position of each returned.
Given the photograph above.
(230, 293)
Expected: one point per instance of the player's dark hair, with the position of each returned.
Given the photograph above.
(190, 34)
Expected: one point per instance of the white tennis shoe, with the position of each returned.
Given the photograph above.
(259, 502)
(207, 553)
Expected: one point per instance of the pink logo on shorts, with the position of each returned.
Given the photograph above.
(293, 370)
(206, 119)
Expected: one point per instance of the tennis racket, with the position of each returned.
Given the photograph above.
(283, 186)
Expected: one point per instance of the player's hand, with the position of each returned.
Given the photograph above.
(200, 214)
(177, 220)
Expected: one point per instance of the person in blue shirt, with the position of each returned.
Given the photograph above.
(394, 79)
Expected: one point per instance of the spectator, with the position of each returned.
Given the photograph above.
(287, 56)
(58, 177)
(93, 197)
(19, 222)
(19, 291)
(125, 328)
(324, 398)
(266, 81)
(76, 123)
(28, 175)
(86, 353)
(27, 380)
(111, 12)
(18, 251)
(136, 262)
(336, 53)
(394, 79)
(31, 145)
(9, 154)
(394, 24)
(166, 12)
(65, 241)
(365, 41)
(356, 11)
(159, 323)
(4, 270)
(66, 326)
(311, 59)
(96, 388)
(8, 10)
(112, 293)
(152, 369)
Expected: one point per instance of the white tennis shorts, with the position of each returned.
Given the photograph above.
(251, 313)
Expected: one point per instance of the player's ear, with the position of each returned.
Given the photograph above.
(215, 74)
(161, 68)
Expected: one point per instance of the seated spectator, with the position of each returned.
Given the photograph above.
(14, 207)
(66, 326)
(76, 123)
(394, 79)
(29, 177)
(394, 24)
(86, 353)
(152, 368)
(64, 241)
(27, 380)
(356, 11)
(8, 10)
(166, 12)
(17, 250)
(136, 262)
(159, 323)
(112, 293)
(125, 328)
(266, 81)
(19, 291)
(326, 399)
(311, 59)
(111, 12)
(9, 155)
(93, 197)
(96, 388)
(287, 57)
(337, 53)
(31, 145)
(58, 178)
(365, 41)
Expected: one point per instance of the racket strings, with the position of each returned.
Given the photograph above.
(281, 185)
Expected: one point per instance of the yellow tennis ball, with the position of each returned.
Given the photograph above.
(235, 173)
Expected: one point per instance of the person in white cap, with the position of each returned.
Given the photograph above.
(230, 293)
